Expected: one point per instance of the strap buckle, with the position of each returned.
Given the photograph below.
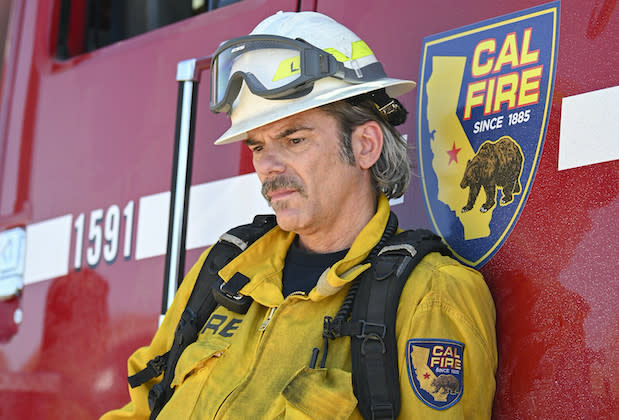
(372, 333)
(372, 329)
(227, 295)
(158, 363)
(382, 410)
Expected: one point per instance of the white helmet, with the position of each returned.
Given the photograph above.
(251, 75)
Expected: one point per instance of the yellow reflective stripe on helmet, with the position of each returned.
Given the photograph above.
(287, 68)
(338, 55)
(360, 49)
(291, 66)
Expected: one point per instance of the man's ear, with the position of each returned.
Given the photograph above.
(367, 144)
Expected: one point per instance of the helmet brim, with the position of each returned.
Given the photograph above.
(326, 91)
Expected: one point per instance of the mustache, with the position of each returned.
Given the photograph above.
(281, 182)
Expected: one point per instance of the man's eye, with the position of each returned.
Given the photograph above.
(256, 149)
(296, 140)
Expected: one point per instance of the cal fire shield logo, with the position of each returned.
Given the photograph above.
(435, 371)
(484, 100)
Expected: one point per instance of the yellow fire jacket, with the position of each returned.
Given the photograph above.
(256, 366)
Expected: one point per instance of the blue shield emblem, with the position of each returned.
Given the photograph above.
(484, 98)
(435, 371)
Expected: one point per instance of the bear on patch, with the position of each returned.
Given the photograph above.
(496, 164)
(446, 384)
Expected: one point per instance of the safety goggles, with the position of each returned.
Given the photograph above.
(276, 67)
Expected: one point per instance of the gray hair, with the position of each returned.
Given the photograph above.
(391, 173)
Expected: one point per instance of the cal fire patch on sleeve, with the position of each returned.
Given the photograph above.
(435, 369)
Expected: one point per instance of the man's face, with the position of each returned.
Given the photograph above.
(304, 177)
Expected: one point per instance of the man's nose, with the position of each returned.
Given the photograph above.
(269, 162)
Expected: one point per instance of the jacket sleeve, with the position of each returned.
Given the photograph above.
(446, 342)
(138, 408)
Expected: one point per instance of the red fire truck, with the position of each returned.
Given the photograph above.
(110, 185)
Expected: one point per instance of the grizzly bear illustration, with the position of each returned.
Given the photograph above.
(496, 164)
(446, 384)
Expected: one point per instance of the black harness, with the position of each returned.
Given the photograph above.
(367, 315)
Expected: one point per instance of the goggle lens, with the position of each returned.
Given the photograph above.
(269, 63)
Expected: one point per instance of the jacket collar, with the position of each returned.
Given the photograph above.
(263, 261)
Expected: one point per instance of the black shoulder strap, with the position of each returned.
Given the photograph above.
(373, 343)
(202, 302)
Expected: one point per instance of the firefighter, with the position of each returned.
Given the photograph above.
(317, 111)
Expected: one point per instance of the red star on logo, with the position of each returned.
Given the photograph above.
(453, 154)
(426, 375)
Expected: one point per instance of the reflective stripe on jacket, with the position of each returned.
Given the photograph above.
(257, 365)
